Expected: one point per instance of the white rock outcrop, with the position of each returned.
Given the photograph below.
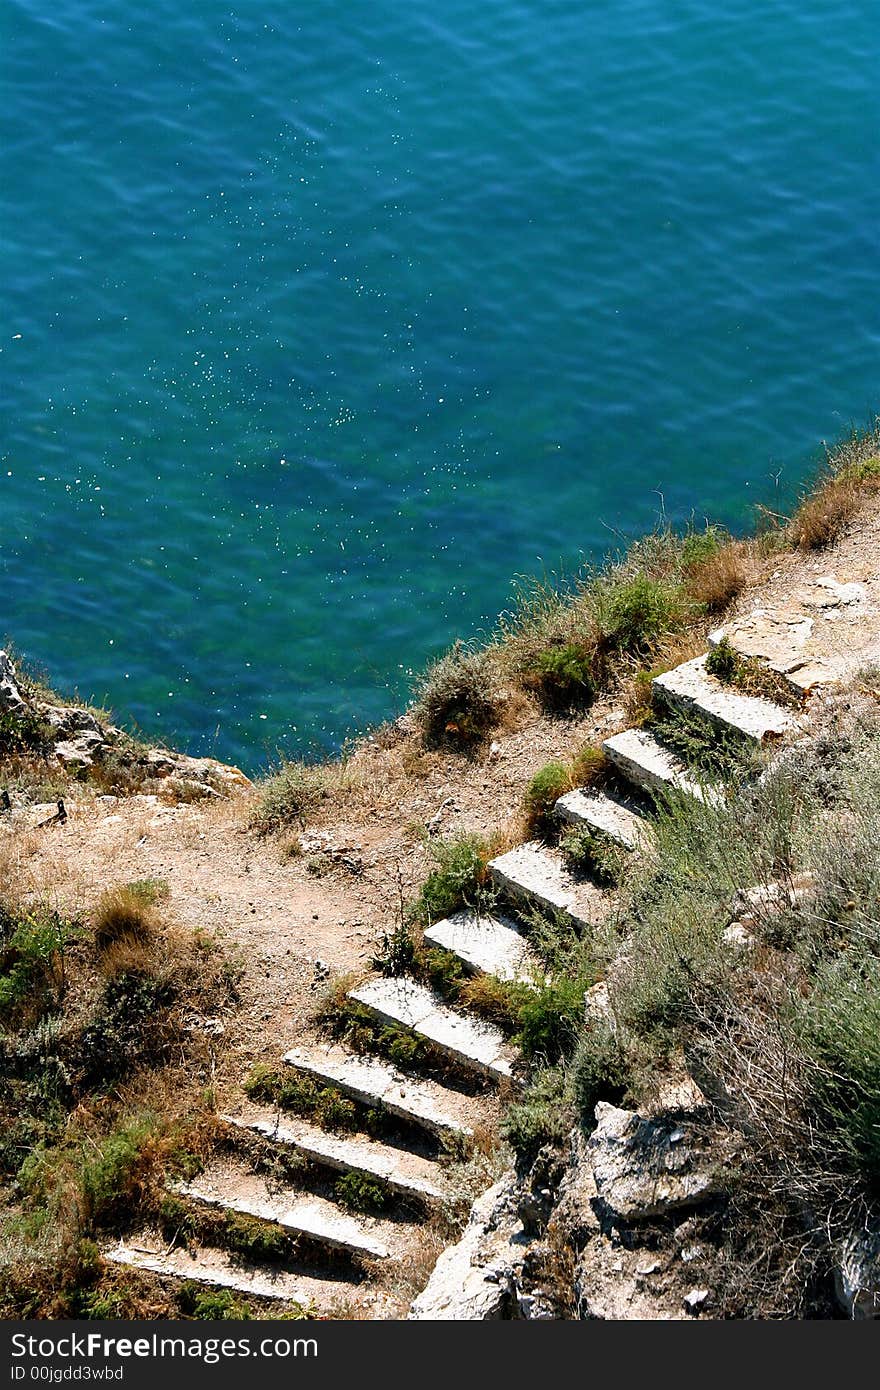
(476, 1280)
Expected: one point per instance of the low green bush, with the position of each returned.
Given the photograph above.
(550, 1017)
(563, 677)
(634, 612)
(361, 1193)
(587, 852)
(598, 1071)
(541, 1116)
(458, 880)
(546, 787)
(458, 699)
(290, 796)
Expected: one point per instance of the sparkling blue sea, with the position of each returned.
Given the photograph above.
(322, 321)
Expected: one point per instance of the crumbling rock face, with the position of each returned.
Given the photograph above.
(597, 1232)
(79, 739)
(649, 1167)
(477, 1279)
(10, 696)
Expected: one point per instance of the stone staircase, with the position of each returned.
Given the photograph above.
(339, 1257)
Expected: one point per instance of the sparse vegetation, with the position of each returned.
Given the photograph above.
(546, 787)
(851, 470)
(459, 879)
(362, 1193)
(301, 1095)
(563, 677)
(587, 852)
(459, 698)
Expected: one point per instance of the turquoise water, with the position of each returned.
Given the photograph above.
(322, 321)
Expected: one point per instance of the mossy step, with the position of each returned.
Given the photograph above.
(638, 756)
(215, 1269)
(468, 1041)
(404, 1173)
(486, 942)
(319, 1220)
(618, 819)
(371, 1081)
(693, 689)
(539, 877)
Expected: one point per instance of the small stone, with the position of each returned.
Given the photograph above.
(691, 1253)
(695, 1300)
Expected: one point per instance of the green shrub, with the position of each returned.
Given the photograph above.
(499, 1001)
(22, 733)
(132, 1025)
(32, 964)
(303, 1096)
(210, 1305)
(563, 676)
(840, 1026)
(255, 1240)
(722, 661)
(699, 546)
(589, 767)
(443, 971)
(541, 1116)
(106, 1175)
(709, 751)
(362, 1193)
(290, 797)
(456, 882)
(546, 787)
(458, 699)
(588, 852)
(397, 953)
(550, 1017)
(598, 1071)
(635, 612)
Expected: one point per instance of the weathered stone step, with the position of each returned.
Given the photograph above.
(405, 1173)
(692, 688)
(607, 814)
(300, 1215)
(468, 1041)
(371, 1081)
(490, 943)
(648, 765)
(538, 876)
(216, 1270)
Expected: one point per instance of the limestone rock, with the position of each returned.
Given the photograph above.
(78, 737)
(11, 701)
(575, 1216)
(476, 1280)
(648, 1167)
(617, 1284)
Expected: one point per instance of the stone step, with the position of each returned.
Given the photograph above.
(371, 1081)
(468, 1041)
(215, 1269)
(404, 1173)
(692, 688)
(648, 765)
(297, 1213)
(490, 943)
(607, 814)
(538, 876)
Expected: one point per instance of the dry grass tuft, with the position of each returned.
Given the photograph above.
(852, 473)
(123, 917)
(715, 581)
